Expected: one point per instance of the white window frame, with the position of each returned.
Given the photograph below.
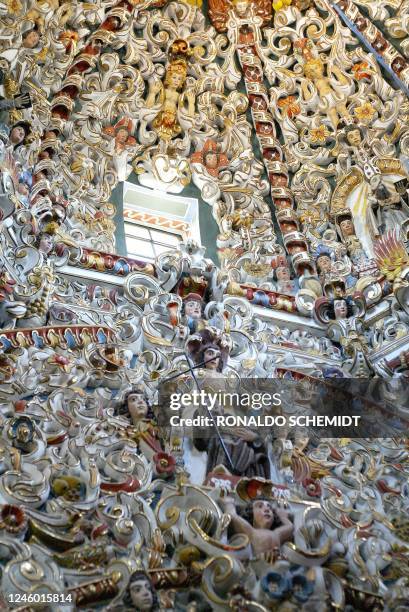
(154, 204)
(150, 239)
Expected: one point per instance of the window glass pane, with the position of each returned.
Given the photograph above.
(165, 237)
(145, 243)
(131, 229)
(172, 239)
(161, 248)
(141, 247)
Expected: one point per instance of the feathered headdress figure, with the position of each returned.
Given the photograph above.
(391, 255)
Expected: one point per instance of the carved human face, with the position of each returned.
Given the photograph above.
(273, 585)
(347, 227)
(211, 160)
(324, 264)
(122, 136)
(141, 595)
(283, 274)
(263, 514)
(211, 354)
(354, 138)
(137, 407)
(176, 79)
(193, 309)
(340, 309)
(241, 7)
(46, 244)
(31, 40)
(17, 135)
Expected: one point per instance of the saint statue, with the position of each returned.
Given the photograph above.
(389, 209)
(246, 449)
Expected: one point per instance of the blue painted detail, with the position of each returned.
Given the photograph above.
(5, 342)
(38, 341)
(101, 336)
(70, 339)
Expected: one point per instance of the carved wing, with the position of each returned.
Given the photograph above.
(391, 255)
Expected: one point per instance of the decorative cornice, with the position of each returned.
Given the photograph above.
(110, 263)
(63, 336)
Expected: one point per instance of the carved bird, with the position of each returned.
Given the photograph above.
(391, 255)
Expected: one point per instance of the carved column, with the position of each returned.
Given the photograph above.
(244, 26)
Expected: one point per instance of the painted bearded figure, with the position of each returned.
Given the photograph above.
(245, 448)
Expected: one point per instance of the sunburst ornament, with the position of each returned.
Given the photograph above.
(391, 255)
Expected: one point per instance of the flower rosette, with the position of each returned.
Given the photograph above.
(312, 487)
(164, 465)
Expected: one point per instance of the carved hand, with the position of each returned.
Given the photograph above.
(155, 87)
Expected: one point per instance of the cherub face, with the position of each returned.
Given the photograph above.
(31, 40)
(137, 407)
(211, 160)
(324, 263)
(17, 135)
(141, 595)
(263, 514)
(46, 244)
(354, 138)
(340, 309)
(176, 80)
(193, 309)
(241, 6)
